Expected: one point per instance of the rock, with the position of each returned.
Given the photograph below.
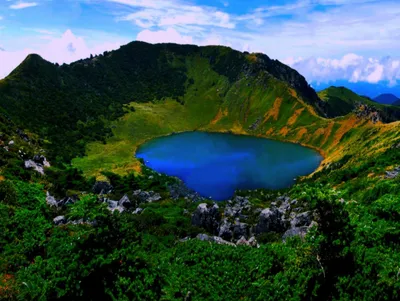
(236, 207)
(393, 173)
(180, 190)
(111, 204)
(50, 200)
(225, 231)
(102, 187)
(11, 142)
(22, 135)
(138, 211)
(203, 237)
(59, 220)
(301, 219)
(242, 242)
(66, 201)
(270, 220)
(30, 164)
(125, 202)
(207, 217)
(240, 229)
(145, 196)
(214, 239)
(253, 242)
(296, 231)
(185, 239)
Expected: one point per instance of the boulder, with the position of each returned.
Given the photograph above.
(270, 220)
(296, 231)
(59, 220)
(240, 229)
(125, 202)
(145, 196)
(102, 187)
(207, 217)
(252, 242)
(138, 211)
(50, 200)
(225, 231)
(30, 164)
(301, 219)
(236, 207)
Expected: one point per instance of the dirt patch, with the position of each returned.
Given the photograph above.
(274, 112)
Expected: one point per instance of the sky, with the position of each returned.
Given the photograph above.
(357, 41)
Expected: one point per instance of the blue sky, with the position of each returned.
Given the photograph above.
(326, 40)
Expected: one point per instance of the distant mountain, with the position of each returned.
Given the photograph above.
(340, 101)
(397, 103)
(386, 99)
(361, 88)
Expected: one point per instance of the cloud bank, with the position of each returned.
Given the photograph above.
(350, 67)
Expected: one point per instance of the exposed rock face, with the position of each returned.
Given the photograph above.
(51, 201)
(225, 230)
(301, 219)
(207, 217)
(125, 202)
(296, 231)
(38, 164)
(270, 220)
(145, 196)
(240, 229)
(236, 207)
(102, 188)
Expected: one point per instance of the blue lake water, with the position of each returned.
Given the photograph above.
(215, 164)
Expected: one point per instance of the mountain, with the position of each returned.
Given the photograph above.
(397, 103)
(387, 99)
(99, 225)
(79, 98)
(361, 88)
(340, 101)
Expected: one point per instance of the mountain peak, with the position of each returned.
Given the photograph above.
(386, 98)
(34, 65)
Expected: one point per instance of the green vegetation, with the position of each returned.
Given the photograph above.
(96, 112)
(341, 101)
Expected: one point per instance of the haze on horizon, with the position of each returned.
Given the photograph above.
(354, 42)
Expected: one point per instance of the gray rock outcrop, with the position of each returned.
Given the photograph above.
(207, 217)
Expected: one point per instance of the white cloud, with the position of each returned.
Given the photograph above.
(163, 36)
(350, 67)
(66, 48)
(22, 5)
(161, 13)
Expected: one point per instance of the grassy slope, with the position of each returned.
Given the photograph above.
(340, 101)
(212, 104)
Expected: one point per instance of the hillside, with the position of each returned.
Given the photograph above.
(340, 101)
(386, 99)
(80, 98)
(99, 225)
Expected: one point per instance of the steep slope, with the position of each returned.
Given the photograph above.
(340, 101)
(78, 100)
(386, 99)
